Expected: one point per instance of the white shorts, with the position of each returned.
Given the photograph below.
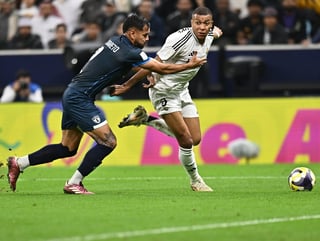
(169, 102)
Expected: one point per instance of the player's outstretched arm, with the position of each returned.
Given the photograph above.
(166, 68)
(121, 89)
(156, 65)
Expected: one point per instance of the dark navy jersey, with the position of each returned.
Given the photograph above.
(107, 65)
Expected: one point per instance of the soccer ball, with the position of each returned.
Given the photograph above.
(301, 179)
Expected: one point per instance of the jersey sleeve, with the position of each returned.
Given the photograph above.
(210, 37)
(140, 59)
(168, 49)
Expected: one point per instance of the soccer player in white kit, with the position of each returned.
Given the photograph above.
(169, 93)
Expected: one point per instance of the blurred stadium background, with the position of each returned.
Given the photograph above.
(231, 71)
(265, 94)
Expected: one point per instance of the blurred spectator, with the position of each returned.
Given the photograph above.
(61, 40)
(91, 9)
(22, 89)
(116, 31)
(157, 34)
(273, 3)
(205, 3)
(45, 24)
(91, 33)
(294, 21)
(313, 15)
(126, 5)
(239, 7)
(181, 17)
(28, 9)
(250, 23)
(70, 11)
(227, 21)
(313, 26)
(111, 19)
(24, 38)
(165, 8)
(272, 32)
(8, 21)
(316, 37)
(314, 5)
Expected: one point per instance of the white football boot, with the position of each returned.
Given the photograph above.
(200, 186)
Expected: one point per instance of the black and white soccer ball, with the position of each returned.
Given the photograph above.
(301, 179)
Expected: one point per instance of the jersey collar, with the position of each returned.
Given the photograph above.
(125, 39)
(195, 37)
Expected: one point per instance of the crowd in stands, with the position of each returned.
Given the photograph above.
(43, 24)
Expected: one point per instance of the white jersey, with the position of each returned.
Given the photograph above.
(178, 49)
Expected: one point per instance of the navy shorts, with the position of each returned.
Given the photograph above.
(80, 111)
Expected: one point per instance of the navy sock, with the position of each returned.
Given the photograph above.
(50, 153)
(94, 158)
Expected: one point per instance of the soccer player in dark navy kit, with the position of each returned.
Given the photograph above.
(108, 64)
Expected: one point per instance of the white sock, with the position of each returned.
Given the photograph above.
(160, 125)
(23, 162)
(186, 157)
(76, 178)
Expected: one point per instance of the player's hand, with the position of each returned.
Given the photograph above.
(115, 90)
(195, 61)
(16, 86)
(151, 82)
(217, 32)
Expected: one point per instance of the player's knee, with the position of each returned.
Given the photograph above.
(196, 140)
(111, 142)
(185, 141)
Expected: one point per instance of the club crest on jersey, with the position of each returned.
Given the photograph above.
(96, 119)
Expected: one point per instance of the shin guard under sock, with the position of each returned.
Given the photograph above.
(94, 158)
(187, 159)
(50, 153)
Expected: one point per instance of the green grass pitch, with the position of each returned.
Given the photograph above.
(155, 203)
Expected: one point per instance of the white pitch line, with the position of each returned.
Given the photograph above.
(148, 178)
(166, 230)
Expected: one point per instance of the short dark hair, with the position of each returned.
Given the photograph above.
(22, 73)
(134, 21)
(255, 3)
(61, 25)
(202, 11)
